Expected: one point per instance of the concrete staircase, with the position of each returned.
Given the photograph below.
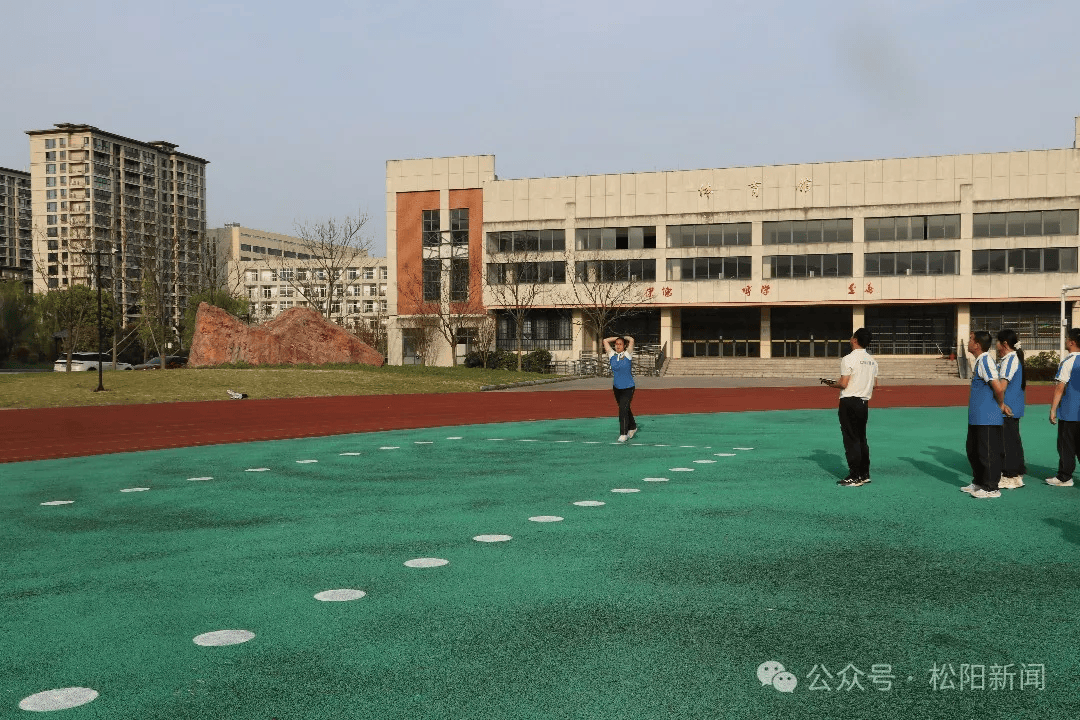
(890, 367)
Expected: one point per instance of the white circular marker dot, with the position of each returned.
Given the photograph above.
(654, 480)
(661, 445)
(348, 453)
(492, 538)
(589, 503)
(528, 440)
(389, 447)
(564, 441)
(60, 699)
(426, 562)
(686, 446)
(545, 518)
(221, 638)
(591, 442)
(496, 439)
(305, 462)
(724, 454)
(456, 437)
(58, 502)
(742, 448)
(257, 470)
(704, 462)
(341, 595)
(681, 469)
(200, 479)
(423, 442)
(625, 490)
(134, 489)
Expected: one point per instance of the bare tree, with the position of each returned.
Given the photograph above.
(487, 332)
(516, 278)
(326, 263)
(605, 290)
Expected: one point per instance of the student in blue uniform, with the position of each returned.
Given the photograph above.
(986, 408)
(1011, 371)
(622, 382)
(1065, 412)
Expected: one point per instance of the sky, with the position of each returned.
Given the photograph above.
(298, 106)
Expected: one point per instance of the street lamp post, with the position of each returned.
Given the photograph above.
(101, 350)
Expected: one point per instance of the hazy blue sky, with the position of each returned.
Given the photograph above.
(298, 105)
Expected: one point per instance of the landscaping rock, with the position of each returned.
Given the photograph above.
(296, 336)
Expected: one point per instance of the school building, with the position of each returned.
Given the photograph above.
(779, 261)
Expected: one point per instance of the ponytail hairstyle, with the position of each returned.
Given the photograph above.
(1008, 338)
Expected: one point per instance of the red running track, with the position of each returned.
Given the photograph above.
(73, 432)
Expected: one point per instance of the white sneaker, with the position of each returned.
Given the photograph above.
(984, 493)
(632, 433)
(1011, 482)
(969, 488)
(1059, 483)
(622, 438)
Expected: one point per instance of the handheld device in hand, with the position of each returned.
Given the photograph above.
(827, 381)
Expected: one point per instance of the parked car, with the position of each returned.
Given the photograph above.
(172, 361)
(83, 361)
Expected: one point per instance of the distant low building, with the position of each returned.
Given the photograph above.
(276, 272)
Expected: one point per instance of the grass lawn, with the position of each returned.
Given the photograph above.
(35, 390)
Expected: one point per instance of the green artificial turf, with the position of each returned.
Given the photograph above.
(659, 604)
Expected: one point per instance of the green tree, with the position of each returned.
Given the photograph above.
(235, 306)
(72, 312)
(18, 316)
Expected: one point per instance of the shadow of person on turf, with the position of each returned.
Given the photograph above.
(1070, 532)
(950, 467)
(829, 462)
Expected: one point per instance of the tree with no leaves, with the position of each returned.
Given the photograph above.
(517, 277)
(332, 248)
(605, 290)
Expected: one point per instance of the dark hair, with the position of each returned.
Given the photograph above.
(1008, 338)
(1074, 335)
(983, 339)
(862, 336)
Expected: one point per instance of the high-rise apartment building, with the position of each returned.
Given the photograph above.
(15, 255)
(140, 205)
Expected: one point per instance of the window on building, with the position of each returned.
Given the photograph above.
(382, 273)
(432, 271)
(430, 228)
(50, 219)
(459, 226)
(50, 207)
(1025, 224)
(709, 235)
(369, 306)
(615, 270)
(369, 273)
(1024, 260)
(914, 227)
(806, 266)
(267, 292)
(50, 182)
(50, 144)
(459, 280)
(790, 232)
(912, 263)
(709, 268)
(610, 238)
(526, 241)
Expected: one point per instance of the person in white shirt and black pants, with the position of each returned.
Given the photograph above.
(858, 378)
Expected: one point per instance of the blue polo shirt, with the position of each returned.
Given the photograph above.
(620, 370)
(1009, 369)
(1069, 407)
(982, 407)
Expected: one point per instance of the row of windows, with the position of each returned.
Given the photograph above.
(1025, 224)
(713, 268)
(914, 227)
(945, 262)
(615, 270)
(709, 235)
(526, 241)
(277, 252)
(790, 232)
(526, 272)
(800, 266)
(876, 229)
(612, 238)
(1023, 260)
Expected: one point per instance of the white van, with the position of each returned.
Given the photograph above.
(88, 361)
